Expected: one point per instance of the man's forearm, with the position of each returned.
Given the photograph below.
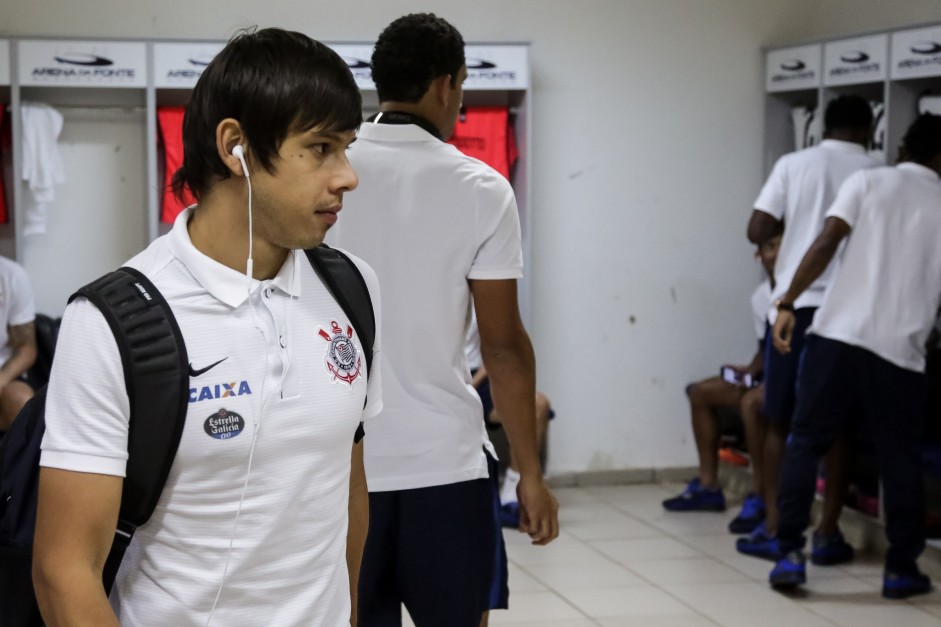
(513, 387)
(17, 365)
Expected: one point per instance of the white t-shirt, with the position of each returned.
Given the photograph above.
(799, 190)
(16, 303)
(288, 562)
(885, 291)
(760, 303)
(472, 344)
(427, 218)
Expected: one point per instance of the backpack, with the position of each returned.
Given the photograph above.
(157, 381)
(47, 332)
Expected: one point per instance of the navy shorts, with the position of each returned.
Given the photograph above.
(780, 372)
(436, 550)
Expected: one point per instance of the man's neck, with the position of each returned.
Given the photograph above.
(421, 109)
(219, 230)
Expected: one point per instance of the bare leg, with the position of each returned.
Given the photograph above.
(12, 399)
(755, 429)
(484, 619)
(704, 398)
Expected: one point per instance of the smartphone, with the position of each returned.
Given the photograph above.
(730, 375)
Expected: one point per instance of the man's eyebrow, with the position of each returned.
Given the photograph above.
(331, 135)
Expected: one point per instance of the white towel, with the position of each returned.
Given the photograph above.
(42, 162)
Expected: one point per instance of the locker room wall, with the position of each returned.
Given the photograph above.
(647, 123)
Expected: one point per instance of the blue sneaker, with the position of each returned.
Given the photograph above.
(696, 498)
(831, 550)
(899, 586)
(759, 544)
(752, 514)
(789, 572)
(510, 515)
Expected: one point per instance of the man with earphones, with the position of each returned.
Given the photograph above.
(439, 227)
(264, 505)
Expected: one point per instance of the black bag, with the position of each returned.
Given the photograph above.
(47, 332)
(156, 375)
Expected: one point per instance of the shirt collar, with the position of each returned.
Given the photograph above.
(224, 283)
(920, 170)
(839, 144)
(393, 132)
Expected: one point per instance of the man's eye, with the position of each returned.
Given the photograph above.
(320, 148)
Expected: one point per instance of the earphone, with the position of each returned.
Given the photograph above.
(239, 153)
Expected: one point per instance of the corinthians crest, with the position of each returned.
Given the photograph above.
(342, 359)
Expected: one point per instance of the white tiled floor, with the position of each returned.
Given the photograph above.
(621, 561)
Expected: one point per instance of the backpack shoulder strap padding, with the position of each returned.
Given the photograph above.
(347, 285)
(156, 376)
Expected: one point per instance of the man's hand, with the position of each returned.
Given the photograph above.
(539, 511)
(783, 331)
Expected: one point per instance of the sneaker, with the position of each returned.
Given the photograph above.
(790, 571)
(510, 514)
(696, 498)
(753, 512)
(831, 550)
(759, 544)
(899, 586)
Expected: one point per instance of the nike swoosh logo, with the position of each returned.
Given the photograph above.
(195, 373)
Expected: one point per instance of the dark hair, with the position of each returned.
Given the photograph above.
(273, 82)
(848, 112)
(922, 140)
(413, 51)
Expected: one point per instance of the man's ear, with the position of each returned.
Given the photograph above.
(229, 134)
(442, 89)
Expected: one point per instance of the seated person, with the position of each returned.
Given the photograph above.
(737, 387)
(509, 503)
(17, 339)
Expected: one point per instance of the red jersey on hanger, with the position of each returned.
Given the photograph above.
(485, 133)
(170, 120)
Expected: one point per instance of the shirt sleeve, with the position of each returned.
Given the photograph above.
(773, 196)
(499, 253)
(849, 199)
(87, 408)
(23, 305)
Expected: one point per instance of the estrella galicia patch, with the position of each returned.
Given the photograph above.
(224, 425)
(343, 361)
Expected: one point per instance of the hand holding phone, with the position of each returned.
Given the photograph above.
(736, 377)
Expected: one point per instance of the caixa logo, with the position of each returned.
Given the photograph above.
(219, 390)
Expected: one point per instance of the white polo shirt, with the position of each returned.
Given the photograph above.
(272, 383)
(427, 218)
(17, 306)
(760, 303)
(799, 190)
(886, 289)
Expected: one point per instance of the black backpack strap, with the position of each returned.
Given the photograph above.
(347, 285)
(157, 379)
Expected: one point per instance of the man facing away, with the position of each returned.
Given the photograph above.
(17, 339)
(865, 355)
(800, 188)
(438, 227)
(251, 529)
